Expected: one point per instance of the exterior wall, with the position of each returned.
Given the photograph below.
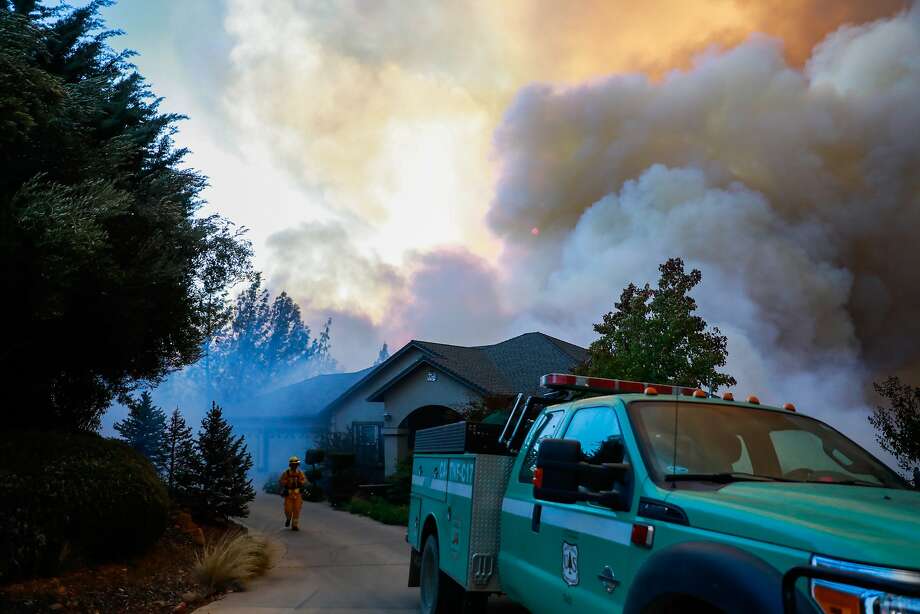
(410, 394)
(356, 408)
(272, 442)
(415, 391)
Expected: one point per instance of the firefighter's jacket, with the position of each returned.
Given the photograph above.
(292, 481)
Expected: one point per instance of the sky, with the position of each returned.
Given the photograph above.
(465, 171)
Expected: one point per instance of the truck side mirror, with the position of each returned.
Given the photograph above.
(562, 477)
(556, 475)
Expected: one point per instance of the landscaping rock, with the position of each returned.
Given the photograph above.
(190, 597)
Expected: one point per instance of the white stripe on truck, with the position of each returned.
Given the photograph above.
(460, 489)
(606, 528)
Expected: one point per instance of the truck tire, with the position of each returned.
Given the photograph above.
(435, 588)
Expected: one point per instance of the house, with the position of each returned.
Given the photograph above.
(286, 421)
(425, 384)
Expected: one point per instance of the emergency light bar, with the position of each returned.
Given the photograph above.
(565, 381)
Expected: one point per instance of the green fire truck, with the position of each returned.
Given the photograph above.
(614, 496)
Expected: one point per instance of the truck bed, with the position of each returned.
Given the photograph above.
(460, 494)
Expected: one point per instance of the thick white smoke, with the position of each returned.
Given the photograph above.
(796, 192)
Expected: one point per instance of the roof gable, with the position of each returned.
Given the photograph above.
(511, 366)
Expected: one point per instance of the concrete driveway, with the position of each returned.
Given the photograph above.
(337, 562)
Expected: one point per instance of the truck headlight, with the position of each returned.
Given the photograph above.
(838, 598)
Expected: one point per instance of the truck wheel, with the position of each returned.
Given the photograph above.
(434, 586)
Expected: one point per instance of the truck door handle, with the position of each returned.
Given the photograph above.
(535, 518)
(606, 577)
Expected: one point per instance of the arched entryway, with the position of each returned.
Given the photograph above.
(426, 417)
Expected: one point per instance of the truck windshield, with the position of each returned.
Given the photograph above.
(725, 443)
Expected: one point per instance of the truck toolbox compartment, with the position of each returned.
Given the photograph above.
(464, 493)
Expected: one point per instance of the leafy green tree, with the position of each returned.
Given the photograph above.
(653, 335)
(118, 281)
(180, 458)
(223, 488)
(145, 429)
(897, 424)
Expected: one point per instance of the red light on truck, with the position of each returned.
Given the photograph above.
(643, 535)
(650, 391)
(699, 394)
(789, 407)
(538, 477)
(728, 397)
(753, 400)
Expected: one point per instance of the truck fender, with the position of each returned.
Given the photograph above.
(725, 577)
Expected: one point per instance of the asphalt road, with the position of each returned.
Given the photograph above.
(337, 562)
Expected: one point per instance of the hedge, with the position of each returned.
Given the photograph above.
(73, 498)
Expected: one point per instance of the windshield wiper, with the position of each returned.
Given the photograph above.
(722, 478)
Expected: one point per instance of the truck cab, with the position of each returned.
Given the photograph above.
(661, 499)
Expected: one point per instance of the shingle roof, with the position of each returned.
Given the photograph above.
(304, 399)
(512, 366)
(509, 367)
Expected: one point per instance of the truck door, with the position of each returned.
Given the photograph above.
(527, 559)
(597, 555)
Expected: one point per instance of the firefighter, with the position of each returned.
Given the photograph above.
(292, 480)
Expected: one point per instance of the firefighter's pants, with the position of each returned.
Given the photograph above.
(292, 504)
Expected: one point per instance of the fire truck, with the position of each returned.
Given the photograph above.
(605, 495)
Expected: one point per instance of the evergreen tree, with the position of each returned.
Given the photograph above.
(323, 362)
(382, 355)
(222, 463)
(144, 429)
(100, 234)
(653, 336)
(288, 340)
(265, 342)
(180, 458)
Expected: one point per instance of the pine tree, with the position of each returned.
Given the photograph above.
(382, 355)
(322, 351)
(180, 458)
(222, 462)
(144, 429)
(287, 343)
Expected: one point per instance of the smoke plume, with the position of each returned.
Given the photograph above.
(796, 191)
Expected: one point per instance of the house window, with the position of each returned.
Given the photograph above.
(431, 376)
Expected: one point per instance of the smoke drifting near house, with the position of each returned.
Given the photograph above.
(464, 172)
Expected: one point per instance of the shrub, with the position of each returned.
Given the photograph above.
(71, 497)
(343, 479)
(380, 510)
(401, 482)
(272, 485)
(233, 559)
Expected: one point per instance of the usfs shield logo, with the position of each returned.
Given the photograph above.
(570, 563)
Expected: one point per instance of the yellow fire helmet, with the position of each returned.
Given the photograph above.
(294, 459)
